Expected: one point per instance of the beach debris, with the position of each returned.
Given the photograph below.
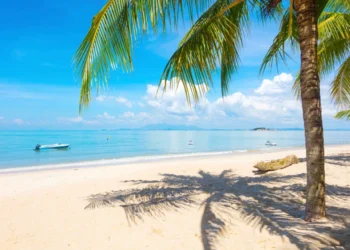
(265, 166)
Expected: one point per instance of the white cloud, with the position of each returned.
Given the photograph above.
(143, 115)
(280, 83)
(172, 107)
(76, 120)
(101, 98)
(18, 121)
(118, 99)
(192, 118)
(126, 119)
(106, 116)
(171, 101)
(123, 101)
(128, 115)
(275, 107)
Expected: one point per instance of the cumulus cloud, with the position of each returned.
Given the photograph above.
(128, 114)
(106, 116)
(118, 99)
(18, 121)
(101, 98)
(172, 100)
(127, 119)
(123, 101)
(273, 102)
(280, 83)
(76, 120)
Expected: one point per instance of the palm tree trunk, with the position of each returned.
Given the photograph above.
(311, 102)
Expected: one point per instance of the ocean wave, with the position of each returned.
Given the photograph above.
(116, 161)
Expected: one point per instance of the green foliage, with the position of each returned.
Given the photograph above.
(115, 28)
(287, 35)
(213, 40)
(340, 89)
(333, 48)
(345, 114)
(212, 43)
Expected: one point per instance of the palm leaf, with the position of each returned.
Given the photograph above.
(342, 6)
(334, 46)
(113, 30)
(340, 90)
(213, 40)
(288, 33)
(345, 114)
(296, 87)
(334, 25)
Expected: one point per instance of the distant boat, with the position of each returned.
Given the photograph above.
(190, 143)
(52, 146)
(268, 143)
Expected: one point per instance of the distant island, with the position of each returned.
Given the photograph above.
(263, 129)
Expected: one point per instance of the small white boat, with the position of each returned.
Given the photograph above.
(190, 143)
(268, 143)
(52, 146)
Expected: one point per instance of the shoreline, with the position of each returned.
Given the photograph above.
(146, 159)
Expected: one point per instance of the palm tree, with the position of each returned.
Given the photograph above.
(334, 45)
(214, 40)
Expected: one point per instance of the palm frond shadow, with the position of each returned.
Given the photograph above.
(229, 198)
(339, 160)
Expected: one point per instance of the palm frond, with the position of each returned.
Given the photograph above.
(342, 6)
(334, 25)
(332, 53)
(113, 30)
(334, 46)
(296, 87)
(288, 33)
(215, 38)
(345, 114)
(340, 90)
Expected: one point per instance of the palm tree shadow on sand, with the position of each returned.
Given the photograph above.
(277, 207)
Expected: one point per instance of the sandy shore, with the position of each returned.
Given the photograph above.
(193, 203)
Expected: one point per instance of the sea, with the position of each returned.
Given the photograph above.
(110, 147)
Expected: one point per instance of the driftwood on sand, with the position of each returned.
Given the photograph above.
(277, 164)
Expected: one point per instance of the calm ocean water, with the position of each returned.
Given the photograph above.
(92, 147)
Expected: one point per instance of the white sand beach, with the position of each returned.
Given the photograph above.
(206, 203)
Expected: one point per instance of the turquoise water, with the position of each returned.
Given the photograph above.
(92, 147)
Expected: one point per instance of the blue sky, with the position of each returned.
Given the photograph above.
(40, 90)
